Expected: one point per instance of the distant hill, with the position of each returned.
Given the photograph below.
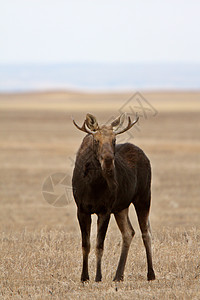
(99, 77)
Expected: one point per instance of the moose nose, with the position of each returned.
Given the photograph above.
(108, 161)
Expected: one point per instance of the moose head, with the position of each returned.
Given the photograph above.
(104, 138)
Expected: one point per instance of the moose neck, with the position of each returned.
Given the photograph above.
(110, 178)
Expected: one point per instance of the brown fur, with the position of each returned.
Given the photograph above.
(107, 178)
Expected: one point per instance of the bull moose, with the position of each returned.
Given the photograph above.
(107, 178)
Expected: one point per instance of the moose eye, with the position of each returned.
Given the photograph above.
(96, 142)
(113, 142)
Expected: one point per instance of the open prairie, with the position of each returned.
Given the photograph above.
(40, 256)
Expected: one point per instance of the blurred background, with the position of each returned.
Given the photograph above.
(99, 46)
(63, 58)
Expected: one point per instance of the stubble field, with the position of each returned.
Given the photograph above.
(40, 255)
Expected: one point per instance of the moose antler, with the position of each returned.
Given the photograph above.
(83, 128)
(130, 124)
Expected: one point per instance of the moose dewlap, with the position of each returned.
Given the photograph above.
(107, 178)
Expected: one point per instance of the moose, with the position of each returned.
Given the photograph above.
(107, 178)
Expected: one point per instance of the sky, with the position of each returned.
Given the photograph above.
(114, 31)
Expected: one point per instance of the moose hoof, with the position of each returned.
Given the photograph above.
(84, 278)
(98, 279)
(151, 276)
(118, 278)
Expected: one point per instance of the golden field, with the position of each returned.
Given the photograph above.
(41, 255)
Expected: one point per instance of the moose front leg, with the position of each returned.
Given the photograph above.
(85, 226)
(102, 225)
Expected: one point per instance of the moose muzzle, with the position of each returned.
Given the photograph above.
(107, 164)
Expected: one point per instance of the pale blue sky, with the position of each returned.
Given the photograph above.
(51, 31)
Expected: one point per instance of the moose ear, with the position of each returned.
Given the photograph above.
(91, 122)
(118, 122)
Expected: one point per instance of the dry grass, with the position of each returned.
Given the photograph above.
(44, 263)
(40, 244)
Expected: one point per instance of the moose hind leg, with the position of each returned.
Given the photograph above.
(102, 225)
(143, 219)
(127, 232)
(85, 226)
